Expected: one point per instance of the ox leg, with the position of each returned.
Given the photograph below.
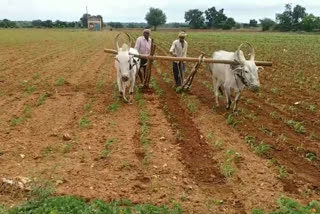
(235, 108)
(119, 85)
(131, 90)
(227, 92)
(124, 92)
(215, 90)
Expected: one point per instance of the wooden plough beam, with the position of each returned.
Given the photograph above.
(149, 67)
(187, 83)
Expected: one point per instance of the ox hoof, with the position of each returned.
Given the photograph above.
(228, 108)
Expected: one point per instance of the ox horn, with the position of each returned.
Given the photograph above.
(252, 52)
(130, 41)
(238, 54)
(116, 42)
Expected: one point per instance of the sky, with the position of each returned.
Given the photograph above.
(135, 10)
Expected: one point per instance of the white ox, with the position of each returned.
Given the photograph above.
(127, 66)
(237, 77)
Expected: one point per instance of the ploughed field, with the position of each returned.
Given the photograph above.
(61, 122)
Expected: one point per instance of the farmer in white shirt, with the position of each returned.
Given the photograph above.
(143, 45)
(179, 49)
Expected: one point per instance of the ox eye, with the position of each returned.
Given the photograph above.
(246, 71)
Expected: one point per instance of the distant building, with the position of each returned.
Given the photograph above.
(94, 23)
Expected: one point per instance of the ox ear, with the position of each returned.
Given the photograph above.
(260, 68)
(237, 70)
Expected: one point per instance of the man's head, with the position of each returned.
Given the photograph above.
(182, 35)
(146, 33)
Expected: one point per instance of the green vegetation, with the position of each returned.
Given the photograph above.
(228, 166)
(261, 148)
(156, 87)
(298, 127)
(30, 89)
(232, 121)
(18, 120)
(155, 17)
(289, 206)
(282, 172)
(74, 205)
(84, 122)
(67, 147)
(310, 156)
(42, 98)
(106, 152)
(60, 81)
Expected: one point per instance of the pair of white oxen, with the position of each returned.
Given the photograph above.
(238, 77)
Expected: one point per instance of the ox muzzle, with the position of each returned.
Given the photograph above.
(254, 88)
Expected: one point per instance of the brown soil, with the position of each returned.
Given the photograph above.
(183, 161)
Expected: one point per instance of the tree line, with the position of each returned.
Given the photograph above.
(5, 23)
(291, 19)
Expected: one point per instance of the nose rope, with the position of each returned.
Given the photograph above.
(242, 78)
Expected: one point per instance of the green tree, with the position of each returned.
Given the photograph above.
(253, 23)
(84, 20)
(155, 17)
(215, 18)
(115, 24)
(47, 24)
(37, 23)
(228, 24)
(298, 13)
(6, 23)
(310, 23)
(267, 24)
(285, 19)
(194, 18)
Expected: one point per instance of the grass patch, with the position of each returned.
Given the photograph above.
(282, 172)
(310, 156)
(113, 107)
(84, 122)
(67, 148)
(262, 148)
(156, 87)
(232, 121)
(289, 206)
(228, 166)
(192, 107)
(106, 152)
(74, 205)
(297, 126)
(18, 120)
(60, 81)
(100, 84)
(266, 130)
(30, 89)
(144, 118)
(42, 98)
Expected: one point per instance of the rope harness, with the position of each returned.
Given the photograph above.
(240, 75)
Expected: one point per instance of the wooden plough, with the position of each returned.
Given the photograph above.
(188, 81)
